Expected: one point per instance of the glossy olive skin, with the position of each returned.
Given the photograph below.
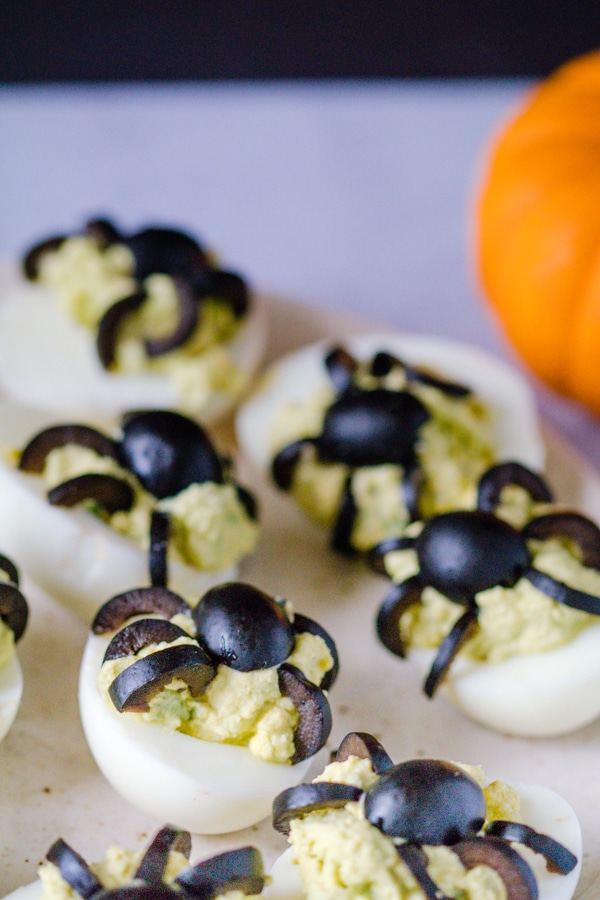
(462, 553)
(370, 428)
(168, 452)
(428, 801)
(243, 628)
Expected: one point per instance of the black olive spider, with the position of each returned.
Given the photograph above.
(463, 553)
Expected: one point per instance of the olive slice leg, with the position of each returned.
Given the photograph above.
(109, 492)
(376, 555)
(110, 324)
(14, 610)
(154, 861)
(248, 501)
(34, 455)
(187, 304)
(74, 869)
(519, 880)
(141, 633)
(492, 483)
(383, 362)
(411, 486)
(8, 566)
(33, 257)
(559, 859)
(451, 388)
(303, 799)
(135, 686)
(285, 462)
(341, 537)
(235, 870)
(229, 287)
(302, 624)
(121, 607)
(461, 632)
(340, 366)
(314, 712)
(103, 231)
(160, 527)
(577, 528)
(415, 860)
(562, 593)
(397, 600)
(364, 746)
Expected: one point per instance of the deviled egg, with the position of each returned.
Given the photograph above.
(421, 828)
(201, 716)
(86, 512)
(161, 872)
(14, 613)
(380, 430)
(102, 321)
(500, 606)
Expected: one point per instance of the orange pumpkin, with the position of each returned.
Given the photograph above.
(538, 230)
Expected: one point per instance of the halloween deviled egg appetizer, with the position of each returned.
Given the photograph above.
(201, 716)
(383, 430)
(114, 321)
(501, 606)
(14, 613)
(423, 828)
(81, 507)
(161, 872)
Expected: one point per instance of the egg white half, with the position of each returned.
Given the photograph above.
(49, 360)
(206, 788)
(11, 690)
(71, 553)
(541, 808)
(296, 377)
(533, 695)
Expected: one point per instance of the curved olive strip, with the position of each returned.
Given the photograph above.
(573, 526)
(33, 257)
(134, 687)
(103, 232)
(426, 800)
(346, 516)
(168, 452)
(562, 593)
(412, 485)
(364, 746)
(234, 870)
(303, 799)
(559, 860)
(341, 367)
(121, 607)
(519, 880)
(154, 861)
(301, 625)
(33, 457)
(74, 870)
(243, 627)
(495, 479)
(248, 501)
(228, 286)
(160, 527)
(14, 610)
(8, 566)
(376, 555)
(383, 362)
(165, 250)
(110, 325)
(314, 712)
(186, 324)
(460, 632)
(398, 599)
(111, 493)
(415, 860)
(285, 462)
(141, 633)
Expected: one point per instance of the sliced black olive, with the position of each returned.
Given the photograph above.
(141, 633)
(33, 257)
(519, 880)
(412, 485)
(33, 457)
(462, 553)
(415, 859)
(559, 860)
(168, 452)
(8, 566)
(573, 526)
(314, 712)
(341, 367)
(248, 501)
(562, 593)
(364, 746)
(154, 861)
(137, 601)
(186, 324)
(426, 800)
(234, 870)
(141, 892)
(165, 250)
(382, 364)
(493, 482)
(13, 609)
(285, 462)
(110, 324)
(160, 527)
(376, 555)
(341, 536)
(74, 869)
(303, 799)
(135, 686)
(460, 632)
(108, 491)
(228, 286)
(103, 231)
(243, 627)
(398, 599)
(369, 428)
(302, 624)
